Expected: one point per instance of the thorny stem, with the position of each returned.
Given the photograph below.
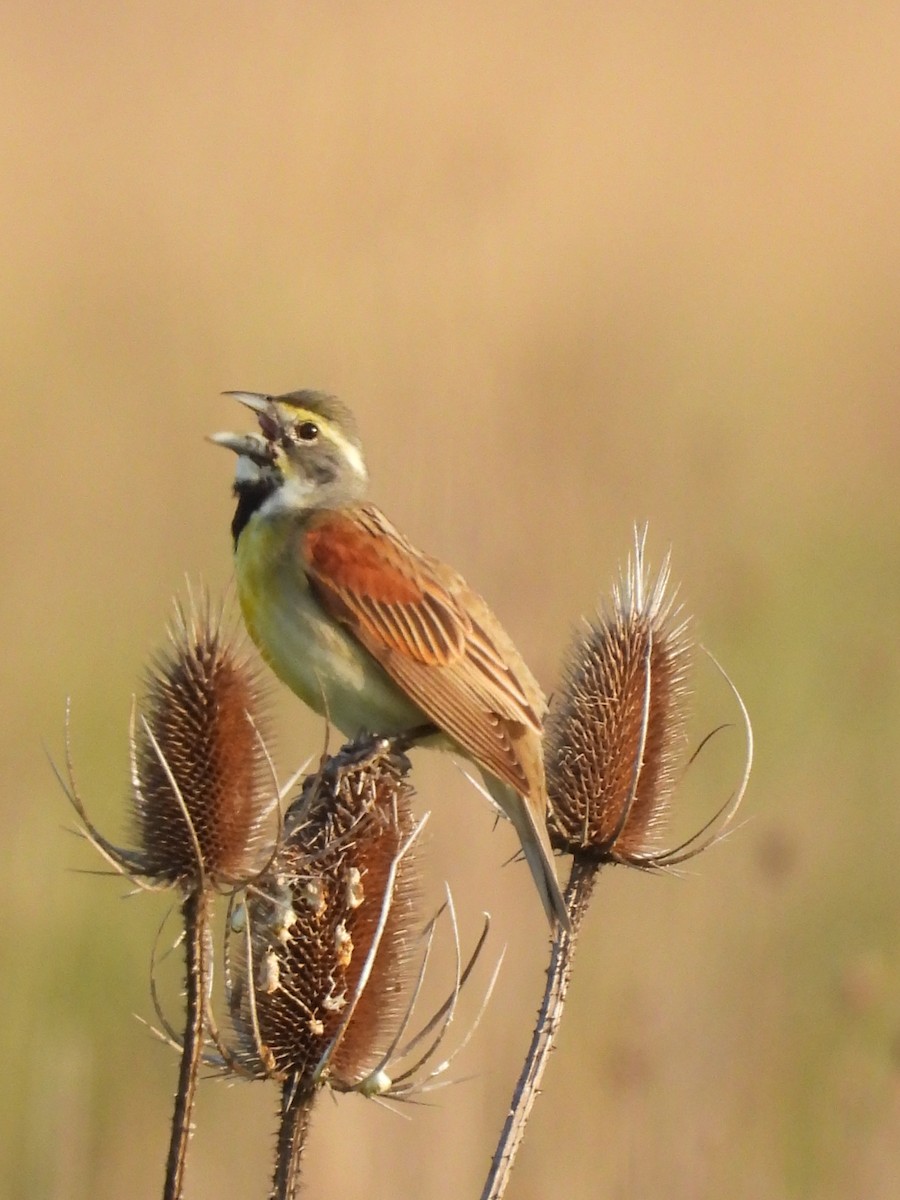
(296, 1111)
(197, 967)
(577, 898)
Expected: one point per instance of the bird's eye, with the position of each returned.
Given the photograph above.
(307, 431)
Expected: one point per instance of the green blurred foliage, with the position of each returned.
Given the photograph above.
(573, 265)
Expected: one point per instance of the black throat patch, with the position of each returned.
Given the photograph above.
(250, 497)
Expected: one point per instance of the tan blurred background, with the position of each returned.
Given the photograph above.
(573, 265)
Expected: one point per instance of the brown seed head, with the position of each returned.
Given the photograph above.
(201, 783)
(616, 731)
(320, 973)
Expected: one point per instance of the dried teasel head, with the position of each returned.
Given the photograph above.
(616, 732)
(201, 780)
(321, 944)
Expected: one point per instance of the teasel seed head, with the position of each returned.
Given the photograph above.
(321, 943)
(615, 734)
(202, 784)
(201, 781)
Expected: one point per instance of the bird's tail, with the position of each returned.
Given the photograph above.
(535, 846)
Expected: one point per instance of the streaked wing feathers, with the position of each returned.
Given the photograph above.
(360, 568)
(434, 637)
(496, 659)
(456, 702)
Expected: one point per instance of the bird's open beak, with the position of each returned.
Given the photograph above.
(246, 445)
(266, 410)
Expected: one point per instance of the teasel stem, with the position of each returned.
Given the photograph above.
(293, 1128)
(195, 914)
(577, 897)
(611, 748)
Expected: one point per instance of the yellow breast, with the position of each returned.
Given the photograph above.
(318, 660)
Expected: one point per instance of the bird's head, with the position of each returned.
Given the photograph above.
(306, 455)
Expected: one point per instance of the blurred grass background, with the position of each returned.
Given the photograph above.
(573, 265)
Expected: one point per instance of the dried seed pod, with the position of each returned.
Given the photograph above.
(321, 943)
(201, 784)
(616, 731)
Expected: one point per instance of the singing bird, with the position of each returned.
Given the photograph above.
(368, 630)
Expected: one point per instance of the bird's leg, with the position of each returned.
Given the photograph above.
(406, 740)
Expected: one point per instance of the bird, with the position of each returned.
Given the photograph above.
(368, 630)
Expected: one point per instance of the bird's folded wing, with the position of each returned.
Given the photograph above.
(430, 632)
